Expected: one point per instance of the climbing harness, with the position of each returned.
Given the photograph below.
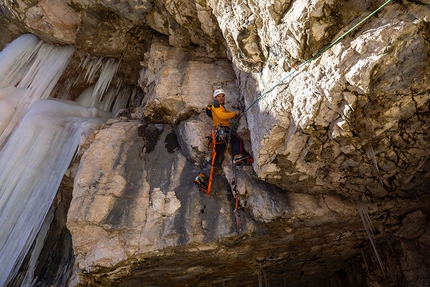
(297, 69)
(223, 134)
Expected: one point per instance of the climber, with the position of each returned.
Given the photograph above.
(223, 134)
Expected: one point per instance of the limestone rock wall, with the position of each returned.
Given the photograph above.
(137, 219)
(347, 132)
(343, 139)
(134, 201)
(178, 82)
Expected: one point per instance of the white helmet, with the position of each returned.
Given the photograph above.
(218, 91)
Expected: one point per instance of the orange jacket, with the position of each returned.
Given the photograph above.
(221, 116)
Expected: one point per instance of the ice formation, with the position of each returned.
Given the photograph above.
(99, 95)
(33, 67)
(39, 136)
(33, 163)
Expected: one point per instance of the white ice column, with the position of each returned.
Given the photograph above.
(32, 165)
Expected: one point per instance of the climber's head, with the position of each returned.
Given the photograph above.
(219, 96)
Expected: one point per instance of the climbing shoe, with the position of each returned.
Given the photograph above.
(201, 182)
(240, 159)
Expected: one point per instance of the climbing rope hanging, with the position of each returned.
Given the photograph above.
(298, 68)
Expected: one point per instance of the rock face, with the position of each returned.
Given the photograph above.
(178, 82)
(346, 133)
(338, 194)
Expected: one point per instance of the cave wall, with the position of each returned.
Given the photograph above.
(344, 137)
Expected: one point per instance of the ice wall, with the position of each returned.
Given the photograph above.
(29, 70)
(39, 136)
(32, 165)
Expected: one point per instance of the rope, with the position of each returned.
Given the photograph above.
(213, 137)
(236, 195)
(297, 69)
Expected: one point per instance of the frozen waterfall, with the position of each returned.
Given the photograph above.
(29, 70)
(33, 163)
(39, 136)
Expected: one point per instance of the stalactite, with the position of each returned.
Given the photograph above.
(104, 69)
(100, 95)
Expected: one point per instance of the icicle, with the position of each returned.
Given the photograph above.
(9, 100)
(108, 68)
(62, 92)
(37, 249)
(365, 218)
(134, 93)
(119, 84)
(38, 139)
(16, 58)
(32, 164)
(107, 73)
(112, 102)
(125, 96)
(36, 72)
(92, 65)
(260, 276)
(84, 98)
(109, 98)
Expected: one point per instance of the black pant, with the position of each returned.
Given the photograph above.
(237, 146)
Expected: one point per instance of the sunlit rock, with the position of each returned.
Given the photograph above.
(179, 82)
(338, 192)
(296, 117)
(55, 19)
(193, 135)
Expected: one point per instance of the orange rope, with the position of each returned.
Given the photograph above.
(208, 192)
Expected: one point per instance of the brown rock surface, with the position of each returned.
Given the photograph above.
(339, 191)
